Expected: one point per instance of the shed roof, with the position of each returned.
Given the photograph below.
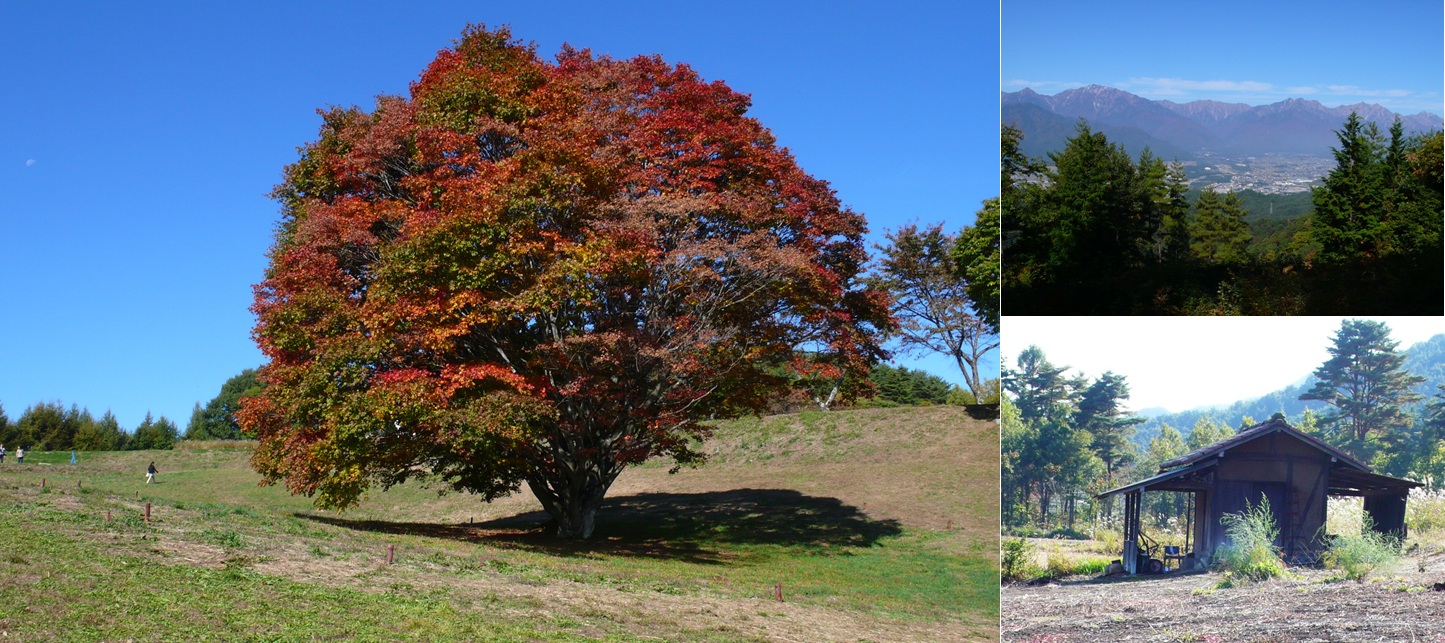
(1273, 425)
(1348, 476)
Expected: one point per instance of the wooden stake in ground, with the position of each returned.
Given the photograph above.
(148, 512)
(107, 515)
(390, 551)
(778, 591)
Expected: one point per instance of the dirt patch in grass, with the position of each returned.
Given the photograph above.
(1403, 607)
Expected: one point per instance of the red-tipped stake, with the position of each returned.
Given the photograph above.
(390, 551)
(778, 591)
(148, 512)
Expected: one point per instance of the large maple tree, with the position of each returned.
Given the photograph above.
(542, 272)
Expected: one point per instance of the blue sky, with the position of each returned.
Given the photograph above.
(140, 140)
(1336, 52)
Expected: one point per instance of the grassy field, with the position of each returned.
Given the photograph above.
(879, 524)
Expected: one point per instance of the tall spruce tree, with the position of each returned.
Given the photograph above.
(1364, 382)
(1350, 207)
(1218, 233)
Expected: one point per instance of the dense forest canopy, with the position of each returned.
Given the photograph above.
(1090, 230)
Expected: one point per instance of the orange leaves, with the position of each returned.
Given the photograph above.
(528, 267)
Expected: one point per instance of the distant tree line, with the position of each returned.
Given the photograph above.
(1093, 231)
(50, 426)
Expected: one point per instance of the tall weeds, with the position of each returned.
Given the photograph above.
(1251, 555)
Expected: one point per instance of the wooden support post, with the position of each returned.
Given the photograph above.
(778, 592)
(148, 512)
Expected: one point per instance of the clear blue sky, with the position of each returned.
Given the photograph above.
(1334, 51)
(140, 140)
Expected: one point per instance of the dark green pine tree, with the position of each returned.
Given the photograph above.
(1095, 219)
(1350, 208)
(1040, 389)
(1218, 233)
(1101, 413)
(1364, 382)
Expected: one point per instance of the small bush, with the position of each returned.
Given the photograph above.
(1356, 555)
(1017, 562)
(1250, 556)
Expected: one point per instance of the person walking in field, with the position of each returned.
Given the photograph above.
(151, 473)
(2, 454)
(20, 455)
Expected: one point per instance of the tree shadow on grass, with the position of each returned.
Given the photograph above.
(694, 527)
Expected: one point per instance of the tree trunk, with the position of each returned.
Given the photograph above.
(574, 508)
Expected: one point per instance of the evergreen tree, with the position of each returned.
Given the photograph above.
(102, 435)
(154, 434)
(1041, 391)
(1101, 413)
(1364, 382)
(1218, 233)
(1350, 207)
(1429, 461)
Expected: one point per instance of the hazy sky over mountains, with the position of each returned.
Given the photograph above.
(1336, 52)
(1185, 363)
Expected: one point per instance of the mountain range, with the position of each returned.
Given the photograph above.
(1426, 359)
(1184, 130)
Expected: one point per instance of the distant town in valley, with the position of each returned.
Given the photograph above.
(1281, 148)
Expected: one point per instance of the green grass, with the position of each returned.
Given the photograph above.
(226, 559)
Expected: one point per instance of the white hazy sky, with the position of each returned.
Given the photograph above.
(1182, 363)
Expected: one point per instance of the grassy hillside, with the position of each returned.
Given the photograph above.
(880, 524)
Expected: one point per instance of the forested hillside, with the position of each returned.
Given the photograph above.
(1092, 230)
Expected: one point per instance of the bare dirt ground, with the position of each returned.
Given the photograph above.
(1402, 604)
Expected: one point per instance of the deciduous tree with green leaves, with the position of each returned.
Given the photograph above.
(217, 420)
(541, 273)
(976, 253)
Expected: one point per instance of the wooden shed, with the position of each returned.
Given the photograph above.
(1294, 471)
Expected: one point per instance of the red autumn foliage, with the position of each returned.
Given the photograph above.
(542, 272)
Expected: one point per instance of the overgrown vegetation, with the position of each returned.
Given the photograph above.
(1250, 554)
(1357, 554)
